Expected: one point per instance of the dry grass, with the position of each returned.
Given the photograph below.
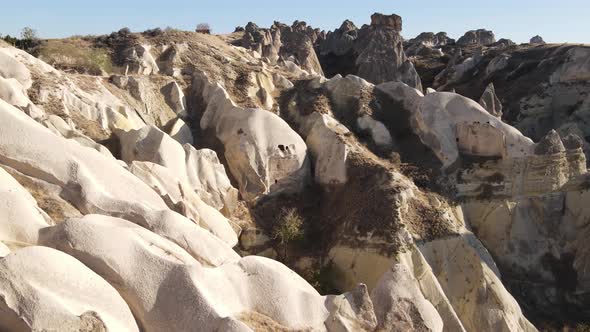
(75, 55)
(261, 323)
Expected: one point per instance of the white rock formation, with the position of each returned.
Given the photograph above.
(263, 153)
(94, 183)
(175, 98)
(173, 291)
(200, 169)
(466, 276)
(400, 304)
(180, 197)
(437, 116)
(43, 289)
(328, 148)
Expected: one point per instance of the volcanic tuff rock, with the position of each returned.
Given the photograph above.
(131, 179)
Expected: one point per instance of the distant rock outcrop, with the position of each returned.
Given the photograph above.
(477, 37)
(432, 40)
(376, 50)
(537, 40)
(283, 42)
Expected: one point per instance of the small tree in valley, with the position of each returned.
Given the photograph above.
(288, 228)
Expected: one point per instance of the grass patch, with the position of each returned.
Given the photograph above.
(75, 55)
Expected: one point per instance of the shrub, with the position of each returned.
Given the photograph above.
(120, 42)
(288, 228)
(204, 28)
(153, 32)
(323, 278)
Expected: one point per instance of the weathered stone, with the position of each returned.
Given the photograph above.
(491, 102)
(550, 144)
(175, 98)
(391, 21)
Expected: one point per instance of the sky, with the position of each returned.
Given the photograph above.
(519, 20)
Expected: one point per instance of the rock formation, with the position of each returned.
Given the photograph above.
(376, 49)
(480, 37)
(537, 40)
(283, 42)
(490, 101)
(161, 198)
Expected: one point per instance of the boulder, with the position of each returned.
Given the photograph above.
(175, 98)
(502, 43)
(573, 141)
(59, 294)
(497, 63)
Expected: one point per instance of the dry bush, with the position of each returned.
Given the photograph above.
(288, 228)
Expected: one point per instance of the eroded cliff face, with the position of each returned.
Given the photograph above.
(424, 212)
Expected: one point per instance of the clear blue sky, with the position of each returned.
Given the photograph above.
(556, 21)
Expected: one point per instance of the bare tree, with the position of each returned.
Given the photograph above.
(28, 33)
